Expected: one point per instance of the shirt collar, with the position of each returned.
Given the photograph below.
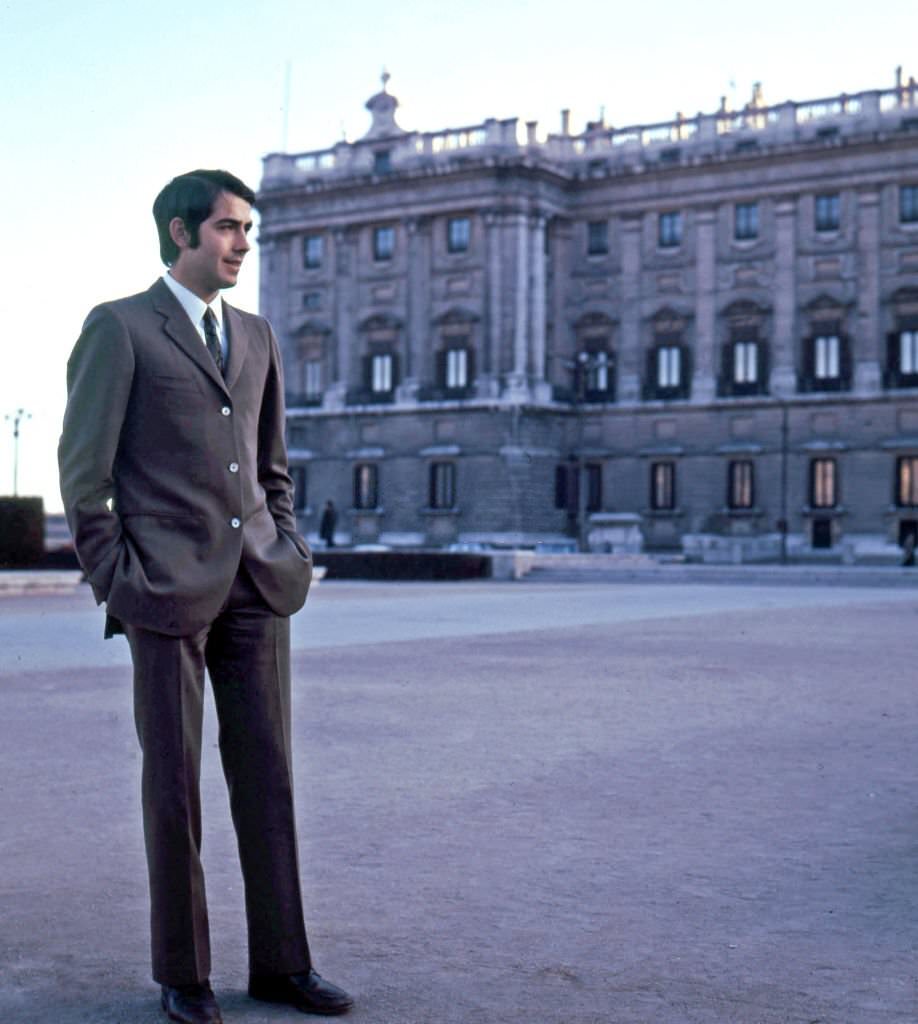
(194, 306)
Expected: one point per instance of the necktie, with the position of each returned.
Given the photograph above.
(212, 338)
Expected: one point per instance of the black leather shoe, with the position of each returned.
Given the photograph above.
(191, 1004)
(308, 992)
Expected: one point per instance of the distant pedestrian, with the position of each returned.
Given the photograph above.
(908, 549)
(327, 524)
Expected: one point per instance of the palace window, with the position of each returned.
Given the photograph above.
(299, 478)
(826, 357)
(744, 360)
(746, 221)
(312, 379)
(908, 204)
(907, 481)
(741, 484)
(746, 363)
(594, 364)
(382, 161)
(381, 373)
(823, 483)
(668, 373)
(827, 211)
(458, 234)
(366, 485)
(669, 366)
(442, 481)
(593, 472)
(825, 360)
(663, 486)
(902, 342)
(670, 230)
(567, 486)
(598, 369)
(456, 369)
(383, 242)
(597, 237)
(313, 246)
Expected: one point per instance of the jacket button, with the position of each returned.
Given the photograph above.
(234, 467)
(235, 523)
(225, 411)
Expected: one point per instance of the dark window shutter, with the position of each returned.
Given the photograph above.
(368, 373)
(764, 357)
(561, 496)
(470, 366)
(650, 378)
(687, 370)
(844, 359)
(396, 370)
(441, 369)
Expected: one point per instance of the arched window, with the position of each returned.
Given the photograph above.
(669, 371)
(826, 352)
(744, 356)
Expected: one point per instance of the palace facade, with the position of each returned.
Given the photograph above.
(709, 323)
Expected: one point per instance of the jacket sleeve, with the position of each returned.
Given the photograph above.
(272, 448)
(99, 377)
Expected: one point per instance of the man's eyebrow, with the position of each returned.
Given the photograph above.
(234, 222)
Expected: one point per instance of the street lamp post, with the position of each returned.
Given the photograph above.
(17, 417)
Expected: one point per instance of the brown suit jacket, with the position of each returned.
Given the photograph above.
(172, 476)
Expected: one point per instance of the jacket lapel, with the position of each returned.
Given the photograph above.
(238, 343)
(181, 331)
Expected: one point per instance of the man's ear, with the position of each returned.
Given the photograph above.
(178, 233)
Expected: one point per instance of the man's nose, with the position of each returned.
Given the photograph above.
(242, 242)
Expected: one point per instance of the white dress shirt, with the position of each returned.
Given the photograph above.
(196, 308)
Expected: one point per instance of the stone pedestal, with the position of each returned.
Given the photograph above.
(618, 533)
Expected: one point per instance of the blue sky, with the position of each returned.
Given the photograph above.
(102, 102)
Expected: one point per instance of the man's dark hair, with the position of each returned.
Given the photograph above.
(191, 197)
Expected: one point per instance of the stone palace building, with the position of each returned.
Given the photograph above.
(705, 328)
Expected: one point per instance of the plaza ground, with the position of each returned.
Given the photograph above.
(533, 803)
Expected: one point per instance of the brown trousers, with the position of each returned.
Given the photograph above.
(246, 651)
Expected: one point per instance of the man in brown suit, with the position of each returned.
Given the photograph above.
(174, 478)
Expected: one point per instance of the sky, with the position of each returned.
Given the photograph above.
(103, 101)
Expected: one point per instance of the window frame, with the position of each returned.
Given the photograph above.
(382, 366)
(906, 482)
(741, 485)
(366, 486)
(313, 261)
(462, 242)
(299, 474)
(826, 212)
(597, 237)
(663, 485)
(669, 229)
(441, 486)
(746, 224)
(823, 482)
(383, 253)
(908, 204)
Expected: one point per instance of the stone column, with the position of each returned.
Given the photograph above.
(342, 355)
(783, 382)
(703, 377)
(489, 369)
(561, 347)
(416, 371)
(541, 389)
(869, 354)
(517, 389)
(630, 364)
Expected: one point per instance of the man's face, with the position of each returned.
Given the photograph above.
(222, 243)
